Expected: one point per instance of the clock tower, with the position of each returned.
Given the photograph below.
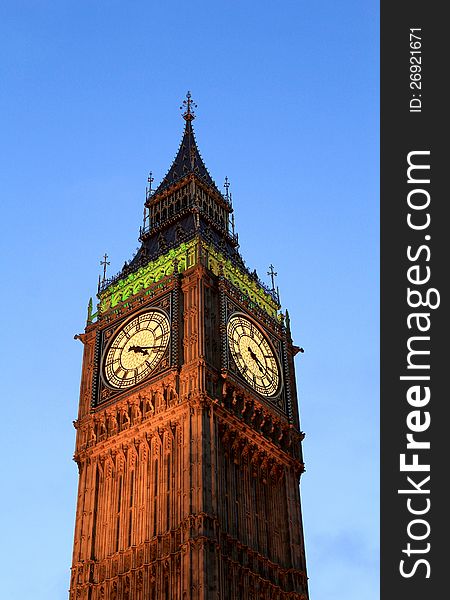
(188, 439)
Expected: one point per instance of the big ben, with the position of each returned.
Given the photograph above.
(188, 438)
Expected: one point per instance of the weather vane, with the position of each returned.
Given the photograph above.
(104, 263)
(187, 106)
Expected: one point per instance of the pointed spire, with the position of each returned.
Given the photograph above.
(188, 159)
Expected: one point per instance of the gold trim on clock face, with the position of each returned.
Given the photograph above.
(253, 355)
(136, 350)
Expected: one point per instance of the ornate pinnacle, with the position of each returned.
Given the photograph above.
(89, 315)
(187, 106)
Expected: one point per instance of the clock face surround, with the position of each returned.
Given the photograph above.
(136, 349)
(253, 354)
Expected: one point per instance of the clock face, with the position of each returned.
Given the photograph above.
(136, 350)
(253, 355)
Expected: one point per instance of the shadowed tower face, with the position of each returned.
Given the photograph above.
(188, 439)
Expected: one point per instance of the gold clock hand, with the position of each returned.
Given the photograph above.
(137, 349)
(256, 359)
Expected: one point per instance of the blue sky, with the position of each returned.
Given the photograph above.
(287, 98)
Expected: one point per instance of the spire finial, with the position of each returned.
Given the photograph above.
(104, 263)
(187, 106)
(150, 180)
(226, 185)
(272, 274)
(148, 189)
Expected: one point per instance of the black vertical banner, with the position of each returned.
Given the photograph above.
(415, 237)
